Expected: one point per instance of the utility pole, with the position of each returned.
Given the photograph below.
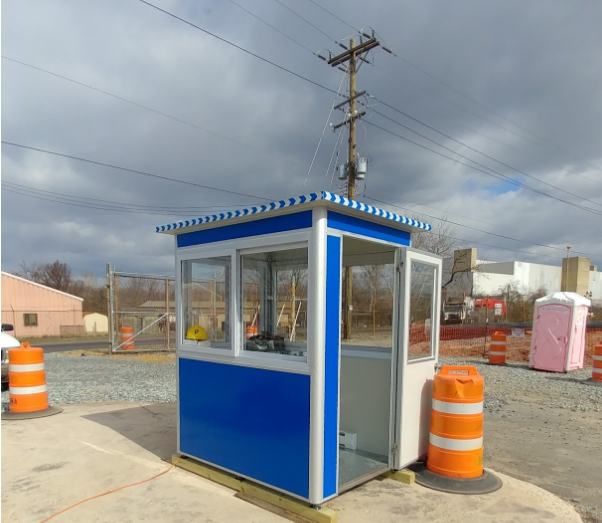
(351, 55)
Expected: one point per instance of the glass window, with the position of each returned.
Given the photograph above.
(206, 302)
(422, 296)
(30, 319)
(274, 302)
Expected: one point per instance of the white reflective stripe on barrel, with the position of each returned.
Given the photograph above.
(457, 408)
(599, 358)
(29, 367)
(498, 343)
(28, 390)
(597, 370)
(496, 353)
(455, 444)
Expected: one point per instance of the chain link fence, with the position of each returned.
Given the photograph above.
(142, 316)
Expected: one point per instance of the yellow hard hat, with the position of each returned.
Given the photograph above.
(196, 332)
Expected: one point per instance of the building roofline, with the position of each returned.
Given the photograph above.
(40, 285)
(307, 201)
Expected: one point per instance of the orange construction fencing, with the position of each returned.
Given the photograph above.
(597, 369)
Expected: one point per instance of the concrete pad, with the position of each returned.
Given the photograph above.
(387, 501)
(51, 463)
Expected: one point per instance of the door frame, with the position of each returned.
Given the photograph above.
(400, 365)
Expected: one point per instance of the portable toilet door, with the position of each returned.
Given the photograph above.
(551, 331)
(558, 342)
(576, 356)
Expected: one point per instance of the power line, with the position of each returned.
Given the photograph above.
(436, 130)
(308, 22)
(493, 173)
(475, 242)
(239, 47)
(323, 131)
(134, 171)
(468, 147)
(119, 205)
(332, 14)
(470, 98)
(132, 102)
(273, 27)
(472, 130)
(225, 137)
(66, 201)
(493, 111)
(562, 249)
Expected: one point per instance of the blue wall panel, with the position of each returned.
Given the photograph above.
(251, 421)
(344, 222)
(331, 370)
(287, 222)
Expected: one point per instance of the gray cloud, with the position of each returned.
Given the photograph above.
(536, 64)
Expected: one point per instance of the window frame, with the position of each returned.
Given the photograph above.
(435, 305)
(261, 250)
(27, 323)
(236, 355)
(205, 254)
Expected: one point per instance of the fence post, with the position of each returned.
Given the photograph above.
(111, 307)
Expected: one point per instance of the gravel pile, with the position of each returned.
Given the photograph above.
(516, 382)
(89, 379)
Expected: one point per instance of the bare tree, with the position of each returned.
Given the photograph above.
(56, 275)
(439, 241)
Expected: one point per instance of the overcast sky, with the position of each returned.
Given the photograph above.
(526, 89)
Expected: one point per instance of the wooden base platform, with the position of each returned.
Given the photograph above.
(251, 491)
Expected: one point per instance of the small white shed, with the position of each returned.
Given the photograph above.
(559, 323)
(96, 323)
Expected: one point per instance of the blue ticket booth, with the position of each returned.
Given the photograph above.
(267, 388)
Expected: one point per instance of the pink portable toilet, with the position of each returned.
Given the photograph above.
(558, 342)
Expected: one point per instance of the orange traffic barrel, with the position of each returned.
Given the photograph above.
(456, 436)
(497, 349)
(251, 331)
(27, 379)
(127, 337)
(597, 370)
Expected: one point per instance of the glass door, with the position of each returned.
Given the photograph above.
(417, 345)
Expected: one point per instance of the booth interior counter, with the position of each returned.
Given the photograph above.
(270, 391)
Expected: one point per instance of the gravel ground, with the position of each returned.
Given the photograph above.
(89, 379)
(541, 427)
(516, 382)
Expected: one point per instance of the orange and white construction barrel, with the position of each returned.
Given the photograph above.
(27, 379)
(127, 338)
(497, 349)
(597, 369)
(456, 435)
(251, 331)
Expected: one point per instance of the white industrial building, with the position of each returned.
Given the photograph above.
(465, 274)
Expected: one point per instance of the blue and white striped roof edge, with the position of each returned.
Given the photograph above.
(290, 202)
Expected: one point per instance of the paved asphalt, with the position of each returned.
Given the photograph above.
(75, 345)
(97, 344)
